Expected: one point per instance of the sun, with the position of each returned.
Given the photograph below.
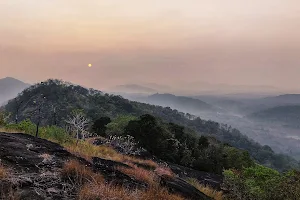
(90, 65)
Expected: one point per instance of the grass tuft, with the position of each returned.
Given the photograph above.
(140, 174)
(158, 193)
(86, 150)
(79, 174)
(217, 195)
(3, 172)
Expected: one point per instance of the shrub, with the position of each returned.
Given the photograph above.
(55, 134)
(256, 182)
(24, 126)
(117, 126)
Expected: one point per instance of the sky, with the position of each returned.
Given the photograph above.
(169, 42)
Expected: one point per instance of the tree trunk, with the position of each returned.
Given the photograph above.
(37, 129)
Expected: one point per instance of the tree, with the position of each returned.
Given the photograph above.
(79, 124)
(203, 142)
(117, 126)
(39, 103)
(99, 126)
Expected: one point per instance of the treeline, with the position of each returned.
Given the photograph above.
(51, 102)
(176, 144)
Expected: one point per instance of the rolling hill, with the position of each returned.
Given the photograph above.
(289, 115)
(133, 88)
(59, 99)
(285, 99)
(182, 103)
(9, 88)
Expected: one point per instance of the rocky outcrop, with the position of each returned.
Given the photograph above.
(35, 165)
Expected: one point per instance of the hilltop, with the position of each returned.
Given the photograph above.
(90, 145)
(61, 98)
(10, 87)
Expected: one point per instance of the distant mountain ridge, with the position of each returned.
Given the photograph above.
(284, 99)
(289, 115)
(182, 103)
(133, 88)
(10, 87)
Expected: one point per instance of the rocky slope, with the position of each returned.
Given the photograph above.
(35, 167)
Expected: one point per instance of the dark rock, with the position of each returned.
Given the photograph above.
(204, 178)
(180, 186)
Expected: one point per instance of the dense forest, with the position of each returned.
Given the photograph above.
(51, 102)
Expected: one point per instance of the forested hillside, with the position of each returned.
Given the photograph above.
(186, 104)
(51, 102)
(288, 115)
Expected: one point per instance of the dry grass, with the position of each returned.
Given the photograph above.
(79, 174)
(217, 195)
(158, 193)
(9, 130)
(140, 174)
(95, 188)
(103, 191)
(134, 160)
(107, 192)
(3, 172)
(86, 150)
(7, 192)
(164, 171)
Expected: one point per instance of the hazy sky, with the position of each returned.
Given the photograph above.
(239, 42)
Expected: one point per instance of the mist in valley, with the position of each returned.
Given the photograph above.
(237, 110)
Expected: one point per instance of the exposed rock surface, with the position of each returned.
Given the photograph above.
(36, 163)
(205, 178)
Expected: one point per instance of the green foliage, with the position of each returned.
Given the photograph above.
(237, 159)
(52, 133)
(258, 182)
(99, 126)
(117, 126)
(288, 188)
(174, 143)
(55, 134)
(62, 98)
(24, 126)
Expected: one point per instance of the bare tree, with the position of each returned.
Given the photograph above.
(79, 124)
(39, 103)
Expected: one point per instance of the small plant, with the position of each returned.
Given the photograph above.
(3, 172)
